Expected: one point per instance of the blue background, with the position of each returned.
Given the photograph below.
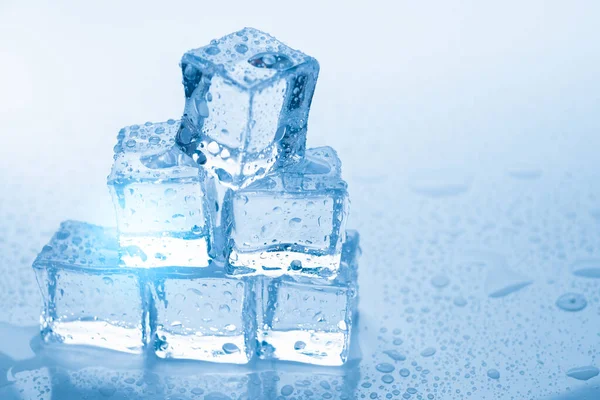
(469, 134)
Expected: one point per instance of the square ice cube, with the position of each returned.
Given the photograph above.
(291, 221)
(165, 204)
(247, 101)
(309, 320)
(88, 299)
(202, 315)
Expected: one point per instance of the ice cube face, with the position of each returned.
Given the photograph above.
(309, 320)
(292, 221)
(203, 315)
(88, 299)
(247, 102)
(165, 204)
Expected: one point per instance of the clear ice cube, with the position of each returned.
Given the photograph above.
(165, 204)
(292, 221)
(88, 299)
(247, 101)
(309, 320)
(202, 315)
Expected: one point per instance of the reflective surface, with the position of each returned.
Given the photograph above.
(469, 138)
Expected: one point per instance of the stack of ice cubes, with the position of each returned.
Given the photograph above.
(231, 236)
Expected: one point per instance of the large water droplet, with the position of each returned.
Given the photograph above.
(589, 268)
(241, 48)
(571, 302)
(583, 373)
(428, 352)
(502, 281)
(212, 50)
(230, 348)
(385, 368)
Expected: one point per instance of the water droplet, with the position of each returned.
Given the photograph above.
(107, 280)
(130, 143)
(493, 374)
(212, 50)
(502, 281)
(154, 140)
(230, 327)
(287, 390)
(387, 378)
(271, 60)
(241, 48)
(583, 373)
(395, 355)
(230, 348)
(428, 352)
(295, 222)
(404, 372)
(459, 301)
(571, 302)
(170, 193)
(589, 268)
(299, 345)
(440, 281)
(385, 368)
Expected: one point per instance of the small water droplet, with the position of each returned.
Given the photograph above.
(299, 345)
(493, 374)
(395, 355)
(428, 352)
(440, 281)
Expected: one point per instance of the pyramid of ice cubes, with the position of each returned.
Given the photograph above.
(231, 236)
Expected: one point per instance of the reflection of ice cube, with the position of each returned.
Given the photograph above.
(88, 299)
(247, 102)
(291, 221)
(309, 320)
(164, 203)
(202, 315)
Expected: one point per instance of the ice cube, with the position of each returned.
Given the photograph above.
(165, 204)
(247, 101)
(88, 299)
(309, 320)
(202, 315)
(291, 221)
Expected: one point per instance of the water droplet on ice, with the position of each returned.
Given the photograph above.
(241, 48)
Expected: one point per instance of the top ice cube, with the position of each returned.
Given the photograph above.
(247, 102)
